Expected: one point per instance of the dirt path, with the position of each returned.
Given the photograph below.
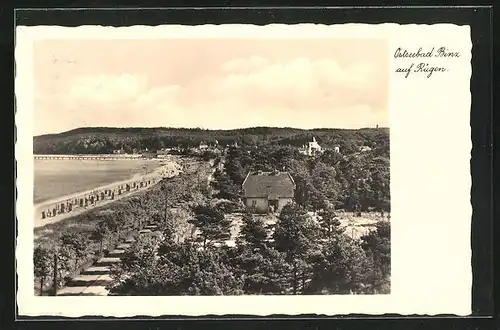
(94, 280)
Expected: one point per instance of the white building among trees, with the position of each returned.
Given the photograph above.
(311, 148)
(268, 191)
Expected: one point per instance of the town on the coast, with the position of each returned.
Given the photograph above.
(250, 211)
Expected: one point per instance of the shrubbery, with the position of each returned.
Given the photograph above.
(227, 206)
(293, 257)
(79, 248)
(351, 181)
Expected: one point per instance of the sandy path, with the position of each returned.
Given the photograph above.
(168, 170)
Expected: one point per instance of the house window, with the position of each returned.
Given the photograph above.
(254, 203)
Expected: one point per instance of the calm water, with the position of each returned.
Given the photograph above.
(56, 178)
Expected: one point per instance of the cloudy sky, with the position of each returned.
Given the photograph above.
(210, 83)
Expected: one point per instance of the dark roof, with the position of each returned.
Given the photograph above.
(272, 185)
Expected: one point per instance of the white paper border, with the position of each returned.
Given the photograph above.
(431, 255)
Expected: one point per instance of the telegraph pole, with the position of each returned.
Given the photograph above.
(166, 211)
(55, 273)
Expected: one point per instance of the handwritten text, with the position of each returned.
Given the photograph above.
(426, 66)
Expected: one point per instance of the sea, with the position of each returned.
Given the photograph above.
(58, 178)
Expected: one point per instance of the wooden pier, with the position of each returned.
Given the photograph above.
(86, 157)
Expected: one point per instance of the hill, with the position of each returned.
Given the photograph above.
(103, 140)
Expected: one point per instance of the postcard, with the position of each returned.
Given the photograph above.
(243, 169)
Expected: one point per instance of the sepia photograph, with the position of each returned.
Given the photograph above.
(238, 169)
(211, 167)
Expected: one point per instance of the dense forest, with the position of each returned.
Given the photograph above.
(349, 180)
(103, 140)
(295, 255)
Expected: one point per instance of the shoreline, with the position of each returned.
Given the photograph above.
(170, 169)
(52, 200)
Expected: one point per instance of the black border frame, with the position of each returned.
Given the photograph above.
(480, 20)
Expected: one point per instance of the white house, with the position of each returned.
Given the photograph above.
(311, 148)
(268, 191)
(203, 145)
(163, 153)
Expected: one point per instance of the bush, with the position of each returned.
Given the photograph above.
(228, 206)
(208, 155)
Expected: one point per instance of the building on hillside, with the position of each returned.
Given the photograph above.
(149, 154)
(207, 145)
(233, 144)
(118, 151)
(203, 145)
(364, 148)
(336, 149)
(213, 145)
(163, 152)
(175, 150)
(311, 148)
(268, 191)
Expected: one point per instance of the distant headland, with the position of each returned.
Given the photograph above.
(107, 140)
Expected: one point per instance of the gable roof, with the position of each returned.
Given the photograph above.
(269, 185)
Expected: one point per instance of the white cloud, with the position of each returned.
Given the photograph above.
(105, 100)
(303, 83)
(108, 88)
(244, 65)
(157, 95)
(244, 92)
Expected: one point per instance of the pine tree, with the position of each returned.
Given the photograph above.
(42, 262)
(101, 232)
(77, 243)
(329, 223)
(264, 270)
(297, 236)
(377, 245)
(341, 268)
(323, 180)
(211, 223)
(253, 232)
(176, 269)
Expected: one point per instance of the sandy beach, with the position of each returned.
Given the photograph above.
(170, 169)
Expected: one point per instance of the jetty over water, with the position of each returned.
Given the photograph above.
(89, 157)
